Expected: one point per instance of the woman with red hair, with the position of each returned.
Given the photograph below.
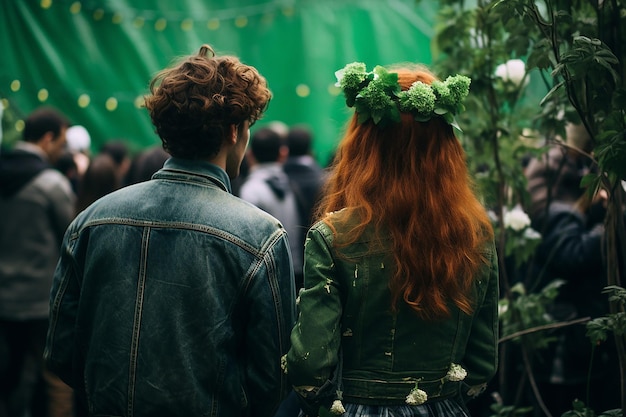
(398, 315)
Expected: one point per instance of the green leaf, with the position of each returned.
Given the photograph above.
(552, 91)
(362, 117)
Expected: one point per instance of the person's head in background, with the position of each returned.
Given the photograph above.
(77, 155)
(268, 145)
(205, 103)
(100, 179)
(118, 150)
(46, 127)
(300, 141)
(145, 164)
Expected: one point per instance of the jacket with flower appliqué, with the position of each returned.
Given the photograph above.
(345, 315)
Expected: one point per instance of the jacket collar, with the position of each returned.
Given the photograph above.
(31, 148)
(195, 170)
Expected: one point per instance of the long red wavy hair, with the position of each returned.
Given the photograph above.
(411, 180)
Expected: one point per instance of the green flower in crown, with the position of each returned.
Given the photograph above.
(459, 87)
(442, 91)
(375, 97)
(420, 97)
(351, 76)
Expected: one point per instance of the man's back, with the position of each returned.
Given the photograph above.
(185, 300)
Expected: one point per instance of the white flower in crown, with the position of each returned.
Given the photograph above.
(416, 396)
(516, 219)
(456, 373)
(337, 408)
(283, 364)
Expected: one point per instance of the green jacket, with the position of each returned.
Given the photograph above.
(346, 303)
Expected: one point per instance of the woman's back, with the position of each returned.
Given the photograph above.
(400, 296)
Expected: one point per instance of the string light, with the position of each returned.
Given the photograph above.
(111, 104)
(98, 14)
(303, 90)
(83, 100)
(186, 25)
(139, 102)
(241, 21)
(138, 22)
(42, 95)
(160, 24)
(117, 18)
(333, 90)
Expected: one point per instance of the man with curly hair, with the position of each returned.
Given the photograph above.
(172, 297)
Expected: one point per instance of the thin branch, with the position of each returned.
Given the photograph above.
(533, 383)
(544, 327)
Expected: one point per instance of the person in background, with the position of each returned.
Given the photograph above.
(573, 234)
(305, 175)
(276, 125)
(172, 297)
(399, 312)
(117, 149)
(36, 206)
(145, 164)
(268, 187)
(79, 144)
(100, 179)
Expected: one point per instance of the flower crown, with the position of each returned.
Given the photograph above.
(377, 95)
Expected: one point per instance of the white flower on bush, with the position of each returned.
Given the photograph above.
(513, 70)
(531, 234)
(516, 219)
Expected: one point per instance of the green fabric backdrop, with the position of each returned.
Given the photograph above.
(94, 59)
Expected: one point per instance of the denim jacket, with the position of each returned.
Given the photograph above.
(345, 307)
(172, 297)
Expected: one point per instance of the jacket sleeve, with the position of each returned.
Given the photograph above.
(481, 354)
(315, 338)
(64, 299)
(271, 312)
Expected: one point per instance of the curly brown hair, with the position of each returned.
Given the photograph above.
(193, 104)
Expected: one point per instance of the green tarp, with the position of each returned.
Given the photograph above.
(94, 59)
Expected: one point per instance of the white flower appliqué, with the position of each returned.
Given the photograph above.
(337, 408)
(416, 396)
(456, 373)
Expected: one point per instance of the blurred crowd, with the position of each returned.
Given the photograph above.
(54, 173)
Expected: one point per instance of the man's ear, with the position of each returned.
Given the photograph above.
(46, 140)
(232, 136)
